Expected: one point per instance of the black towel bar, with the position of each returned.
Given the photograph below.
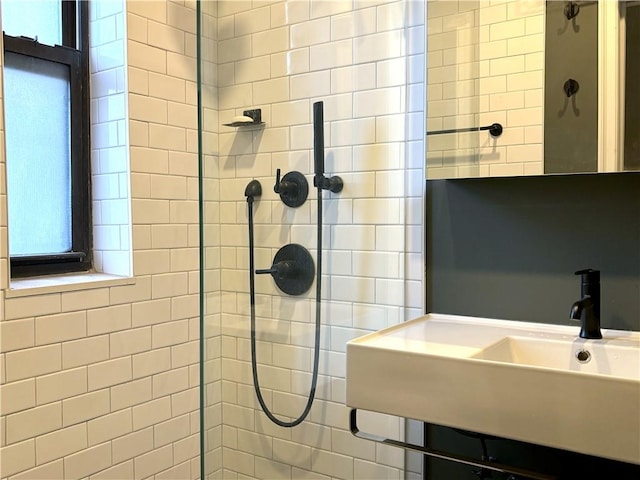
(495, 129)
(496, 467)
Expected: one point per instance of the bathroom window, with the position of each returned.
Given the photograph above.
(46, 101)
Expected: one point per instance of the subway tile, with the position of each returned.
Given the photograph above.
(185, 401)
(181, 17)
(184, 307)
(58, 328)
(392, 16)
(17, 334)
(271, 41)
(33, 422)
(132, 445)
(108, 373)
(109, 319)
(251, 21)
(32, 362)
(151, 312)
(184, 354)
(153, 462)
(84, 407)
(353, 132)
(130, 393)
(87, 462)
(61, 385)
(169, 382)
(368, 469)
(184, 259)
(146, 57)
(330, 55)
(167, 87)
(353, 24)
(182, 115)
(152, 412)
(167, 137)
(238, 461)
(146, 262)
(379, 46)
(234, 49)
(154, 11)
(353, 78)
(308, 85)
(129, 342)
(152, 362)
(53, 469)
(108, 427)
(23, 307)
(382, 101)
(310, 33)
(147, 109)
(165, 37)
(296, 61)
(271, 91)
(117, 472)
(137, 28)
(170, 333)
(333, 464)
(85, 351)
(87, 299)
(182, 470)
(168, 236)
(17, 396)
(171, 431)
(148, 160)
(132, 293)
(183, 212)
(17, 457)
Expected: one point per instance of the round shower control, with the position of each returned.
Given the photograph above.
(293, 269)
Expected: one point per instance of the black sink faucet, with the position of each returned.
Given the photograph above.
(587, 309)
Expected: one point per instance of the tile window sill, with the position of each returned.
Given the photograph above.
(23, 287)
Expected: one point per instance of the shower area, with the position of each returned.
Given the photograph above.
(292, 95)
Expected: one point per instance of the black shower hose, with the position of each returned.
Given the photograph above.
(316, 349)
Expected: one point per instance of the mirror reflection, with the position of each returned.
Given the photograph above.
(552, 74)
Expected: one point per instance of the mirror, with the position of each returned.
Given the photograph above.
(550, 73)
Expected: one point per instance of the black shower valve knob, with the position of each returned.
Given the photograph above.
(293, 188)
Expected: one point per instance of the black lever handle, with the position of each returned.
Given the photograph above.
(276, 187)
(281, 270)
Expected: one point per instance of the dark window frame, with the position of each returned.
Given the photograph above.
(74, 53)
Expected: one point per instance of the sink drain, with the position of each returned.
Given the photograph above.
(583, 356)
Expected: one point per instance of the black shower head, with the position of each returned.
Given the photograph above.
(254, 189)
(318, 139)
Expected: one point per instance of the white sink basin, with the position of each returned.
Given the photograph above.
(577, 356)
(515, 380)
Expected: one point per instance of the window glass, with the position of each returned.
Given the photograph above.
(38, 146)
(41, 19)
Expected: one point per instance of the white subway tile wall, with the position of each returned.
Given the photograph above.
(103, 382)
(364, 60)
(485, 65)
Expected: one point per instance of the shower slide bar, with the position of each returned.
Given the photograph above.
(484, 464)
(495, 129)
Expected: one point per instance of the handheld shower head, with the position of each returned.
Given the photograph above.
(318, 139)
